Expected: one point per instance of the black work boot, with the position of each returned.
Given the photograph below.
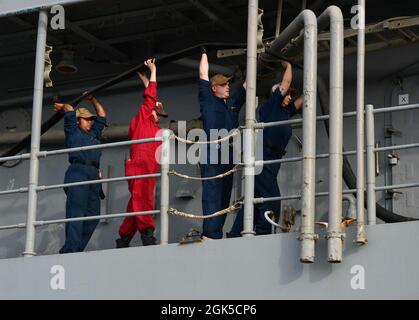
(123, 242)
(147, 237)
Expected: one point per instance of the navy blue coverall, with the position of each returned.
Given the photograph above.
(275, 140)
(217, 114)
(84, 200)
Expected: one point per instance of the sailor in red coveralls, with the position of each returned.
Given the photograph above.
(143, 161)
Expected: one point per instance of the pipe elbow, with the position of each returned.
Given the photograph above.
(309, 17)
(331, 15)
(350, 199)
(335, 14)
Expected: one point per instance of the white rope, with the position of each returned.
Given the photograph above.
(219, 176)
(226, 138)
(230, 209)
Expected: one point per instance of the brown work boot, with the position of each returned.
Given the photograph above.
(147, 237)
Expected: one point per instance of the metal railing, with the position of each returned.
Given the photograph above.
(371, 188)
(307, 21)
(165, 155)
(370, 111)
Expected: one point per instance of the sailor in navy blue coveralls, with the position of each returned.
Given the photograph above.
(82, 201)
(275, 140)
(217, 113)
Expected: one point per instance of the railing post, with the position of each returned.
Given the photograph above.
(371, 201)
(164, 194)
(249, 132)
(361, 237)
(36, 133)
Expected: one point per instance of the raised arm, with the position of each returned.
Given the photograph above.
(204, 65)
(150, 63)
(100, 110)
(63, 106)
(143, 77)
(70, 121)
(100, 122)
(150, 93)
(285, 83)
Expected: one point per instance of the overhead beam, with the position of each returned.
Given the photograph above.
(77, 30)
(13, 7)
(386, 25)
(101, 44)
(20, 22)
(194, 64)
(219, 9)
(25, 24)
(213, 16)
(175, 30)
(173, 10)
(177, 7)
(90, 21)
(131, 14)
(110, 41)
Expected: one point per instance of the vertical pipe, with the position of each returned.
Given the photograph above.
(308, 21)
(334, 234)
(36, 132)
(278, 18)
(370, 165)
(164, 194)
(307, 235)
(361, 237)
(249, 132)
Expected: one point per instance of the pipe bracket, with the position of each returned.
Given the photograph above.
(308, 236)
(334, 234)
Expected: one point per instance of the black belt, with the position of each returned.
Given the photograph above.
(86, 162)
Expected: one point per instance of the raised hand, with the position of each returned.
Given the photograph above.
(88, 97)
(150, 64)
(62, 106)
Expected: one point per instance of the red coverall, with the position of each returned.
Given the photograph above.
(142, 161)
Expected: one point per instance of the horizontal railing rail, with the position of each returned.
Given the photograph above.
(262, 125)
(43, 154)
(99, 217)
(108, 180)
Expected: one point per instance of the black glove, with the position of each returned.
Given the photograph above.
(203, 50)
